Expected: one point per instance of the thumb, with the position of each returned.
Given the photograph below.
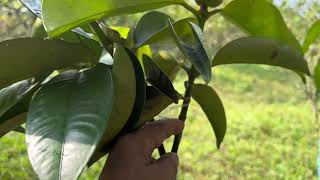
(167, 166)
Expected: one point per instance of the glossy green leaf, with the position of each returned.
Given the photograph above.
(254, 50)
(140, 93)
(260, 18)
(124, 83)
(87, 40)
(11, 104)
(149, 25)
(144, 50)
(34, 6)
(163, 36)
(61, 16)
(168, 64)
(156, 102)
(317, 76)
(66, 121)
(11, 95)
(123, 31)
(195, 50)
(157, 78)
(312, 35)
(26, 58)
(113, 35)
(212, 106)
(38, 30)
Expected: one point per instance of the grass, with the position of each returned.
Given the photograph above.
(271, 132)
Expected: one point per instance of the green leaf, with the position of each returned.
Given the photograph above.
(260, 18)
(156, 102)
(212, 106)
(254, 50)
(11, 104)
(66, 121)
(317, 76)
(87, 40)
(163, 36)
(124, 83)
(34, 6)
(11, 95)
(149, 25)
(140, 93)
(168, 64)
(195, 50)
(159, 79)
(61, 16)
(312, 35)
(123, 31)
(144, 50)
(27, 58)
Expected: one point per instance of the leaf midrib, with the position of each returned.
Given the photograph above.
(74, 82)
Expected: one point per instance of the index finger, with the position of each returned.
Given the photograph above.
(153, 134)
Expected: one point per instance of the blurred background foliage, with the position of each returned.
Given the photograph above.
(273, 127)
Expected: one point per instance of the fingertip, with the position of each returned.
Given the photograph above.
(178, 124)
(175, 158)
(169, 159)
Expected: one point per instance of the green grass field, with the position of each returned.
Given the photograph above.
(271, 132)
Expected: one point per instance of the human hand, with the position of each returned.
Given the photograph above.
(130, 158)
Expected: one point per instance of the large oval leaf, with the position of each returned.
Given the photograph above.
(26, 58)
(260, 18)
(312, 35)
(157, 78)
(168, 64)
(163, 36)
(86, 40)
(124, 83)
(156, 102)
(35, 7)
(138, 103)
(149, 25)
(212, 106)
(14, 102)
(195, 49)
(66, 121)
(9, 96)
(254, 50)
(63, 15)
(140, 93)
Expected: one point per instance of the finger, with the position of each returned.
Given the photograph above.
(166, 167)
(153, 134)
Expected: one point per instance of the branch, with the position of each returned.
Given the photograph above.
(184, 109)
(191, 9)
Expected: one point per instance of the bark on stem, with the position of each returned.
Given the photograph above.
(184, 109)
